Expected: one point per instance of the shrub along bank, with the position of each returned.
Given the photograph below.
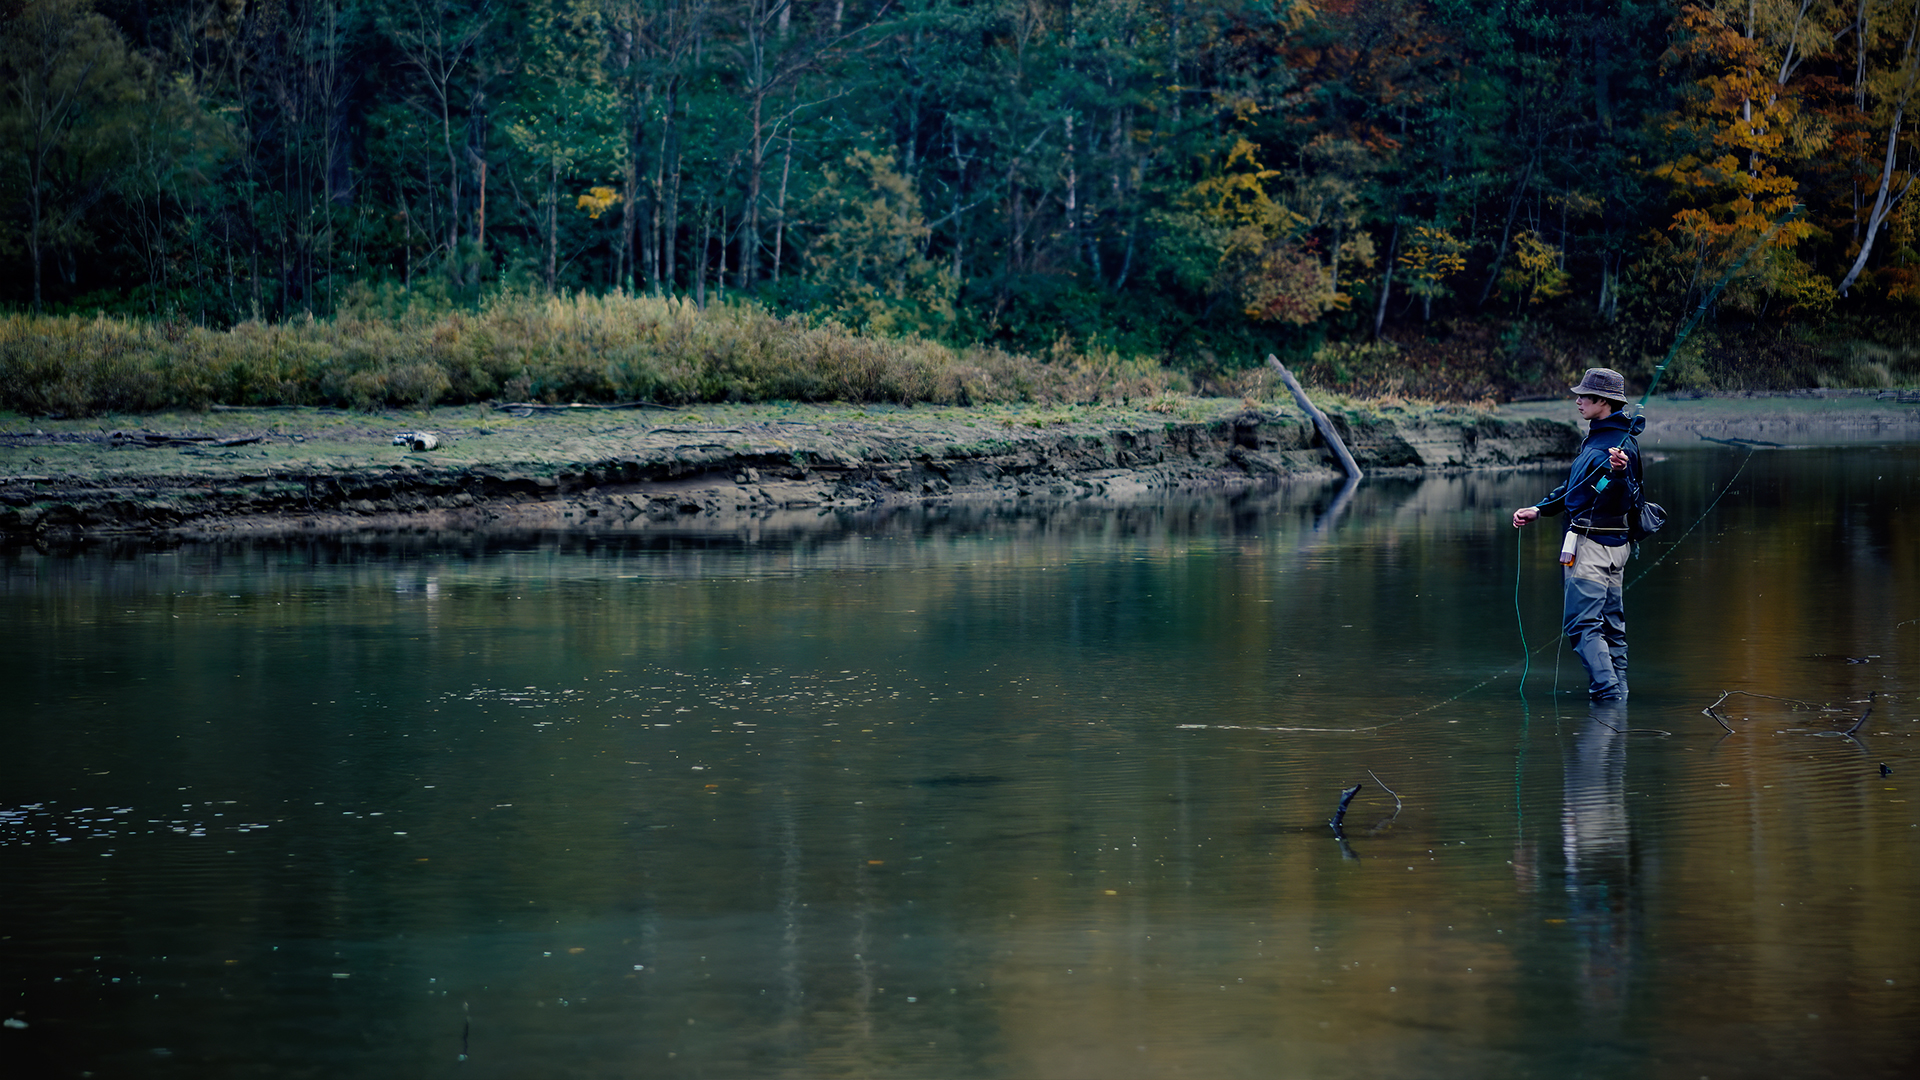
(613, 348)
(518, 347)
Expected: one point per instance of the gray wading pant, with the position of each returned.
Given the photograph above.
(1595, 618)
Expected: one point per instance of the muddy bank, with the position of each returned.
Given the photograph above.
(273, 471)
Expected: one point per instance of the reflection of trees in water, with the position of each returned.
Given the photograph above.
(1597, 837)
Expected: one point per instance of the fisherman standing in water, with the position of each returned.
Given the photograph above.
(1599, 493)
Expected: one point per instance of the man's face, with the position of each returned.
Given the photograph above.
(1593, 408)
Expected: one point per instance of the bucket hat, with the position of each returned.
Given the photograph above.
(1603, 383)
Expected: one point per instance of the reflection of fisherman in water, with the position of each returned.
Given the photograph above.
(1600, 871)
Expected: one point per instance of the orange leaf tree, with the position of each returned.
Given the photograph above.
(1737, 144)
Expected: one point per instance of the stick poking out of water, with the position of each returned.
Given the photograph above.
(1341, 813)
(1717, 718)
(1864, 715)
(1390, 791)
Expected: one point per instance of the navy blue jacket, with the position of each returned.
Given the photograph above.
(1605, 511)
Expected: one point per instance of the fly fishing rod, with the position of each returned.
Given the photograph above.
(1637, 421)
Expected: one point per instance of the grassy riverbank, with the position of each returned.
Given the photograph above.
(516, 347)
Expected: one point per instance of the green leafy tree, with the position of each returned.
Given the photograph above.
(445, 45)
(69, 92)
(566, 117)
(866, 255)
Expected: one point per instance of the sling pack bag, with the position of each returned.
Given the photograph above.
(1645, 517)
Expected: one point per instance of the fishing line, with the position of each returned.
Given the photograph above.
(1519, 773)
(1526, 658)
(1675, 546)
(1637, 421)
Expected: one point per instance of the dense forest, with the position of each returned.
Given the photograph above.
(1196, 180)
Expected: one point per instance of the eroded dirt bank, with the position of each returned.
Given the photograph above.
(271, 471)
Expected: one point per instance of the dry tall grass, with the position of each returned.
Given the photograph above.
(524, 348)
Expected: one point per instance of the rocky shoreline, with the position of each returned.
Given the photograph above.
(266, 472)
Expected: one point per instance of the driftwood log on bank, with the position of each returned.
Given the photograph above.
(1320, 421)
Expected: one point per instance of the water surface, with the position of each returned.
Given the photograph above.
(955, 792)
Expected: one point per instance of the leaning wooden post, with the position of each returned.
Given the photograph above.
(1320, 420)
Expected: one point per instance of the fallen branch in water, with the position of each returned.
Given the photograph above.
(1390, 791)
(1709, 710)
(1341, 813)
(1386, 822)
(1713, 711)
(1863, 716)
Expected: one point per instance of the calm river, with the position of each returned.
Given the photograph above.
(953, 793)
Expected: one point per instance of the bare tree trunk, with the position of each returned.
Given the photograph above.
(1860, 45)
(750, 215)
(1506, 231)
(659, 262)
(33, 243)
(1333, 259)
(480, 213)
(1178, 20)
(629, 224)
(1386, 281)
(453, 178)
(720, 252)
(1072, 201)
(756, 44)
(1883, 204)
(780, 203)
(553, 222)
(961, 162)
(700, 261)
(670, 240)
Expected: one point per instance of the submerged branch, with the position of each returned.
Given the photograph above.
(1397, 805)
(1717, 718)
(1863, 716)
(1390, 791)
(1340, 813)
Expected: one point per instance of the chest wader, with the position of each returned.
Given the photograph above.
(1594, 614)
